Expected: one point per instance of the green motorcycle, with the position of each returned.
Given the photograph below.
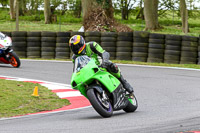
(102, 89)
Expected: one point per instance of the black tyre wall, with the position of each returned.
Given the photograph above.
(189, 50)
(108, 43)
(140, 46)
(48, 44)
(124, 46)
(172, 49)
(19, 43)
(33, 44)
(199, 51)
(156, 48)
(62, 45)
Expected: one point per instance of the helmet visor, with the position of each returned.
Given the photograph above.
(75, 48)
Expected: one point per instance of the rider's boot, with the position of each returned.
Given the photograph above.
(126, 85)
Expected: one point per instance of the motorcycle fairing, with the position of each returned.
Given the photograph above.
(120, 101)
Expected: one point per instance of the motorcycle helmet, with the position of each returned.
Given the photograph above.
(5, 41)
(77, 45)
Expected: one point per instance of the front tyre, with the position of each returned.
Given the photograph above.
(99, 103)
(14, 60)
(132, 105)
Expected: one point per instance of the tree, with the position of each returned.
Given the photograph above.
(184, 16)
(12, 9)
(125, 6)
(140, 12)
(47, 11)
(4, 3)
(151, 14)
(98, 16)
(99, 11)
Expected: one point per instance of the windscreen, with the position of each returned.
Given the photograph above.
(81, 62)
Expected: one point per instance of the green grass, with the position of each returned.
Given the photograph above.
(16, 99)
(68, 22)
(38, 26)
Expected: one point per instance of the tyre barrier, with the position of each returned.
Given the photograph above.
(62, 45)
(93, 36)
(156, 48)
(48, 43)
(6, 33)
(172, 49)
(19, 43)
(108, 43)
(124, 46)
(189, 50)
(136, 46)
(140, 46)
(33, 44)
(199, 52)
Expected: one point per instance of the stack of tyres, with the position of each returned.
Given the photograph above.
(199, 52)
(48, 40)
(6, 33)
(124, 46)
(33, 44)
(19, 43)
(108, 43)
(62, 45)
(189, 50)
(77, 33)
(140, 46)
(156, 48)
(172, 49)
(93, 36)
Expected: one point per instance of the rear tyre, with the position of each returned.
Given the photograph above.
(132, 105)
(14, 60)
(103, 107)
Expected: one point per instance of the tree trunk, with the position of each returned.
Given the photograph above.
(47, 11)
(151, 14)
(36, 6)
(90, 5)
(17, 14)
(12, 9)
(184, 16)
(98, 16)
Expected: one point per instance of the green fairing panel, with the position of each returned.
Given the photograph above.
(108, 80)
(105, 78)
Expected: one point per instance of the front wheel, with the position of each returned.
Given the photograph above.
(14, 60)
(132, 105)
(100, 103)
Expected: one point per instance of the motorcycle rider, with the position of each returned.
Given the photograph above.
(93, 50)
(5, 41)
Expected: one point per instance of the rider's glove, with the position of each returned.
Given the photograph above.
(106, 63)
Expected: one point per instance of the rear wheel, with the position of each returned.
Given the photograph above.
(100, 103)
(132, 105)
(14, 60)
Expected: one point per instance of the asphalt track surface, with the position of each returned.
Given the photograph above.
(169, 101)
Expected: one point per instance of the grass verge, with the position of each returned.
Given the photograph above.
(16, 99)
